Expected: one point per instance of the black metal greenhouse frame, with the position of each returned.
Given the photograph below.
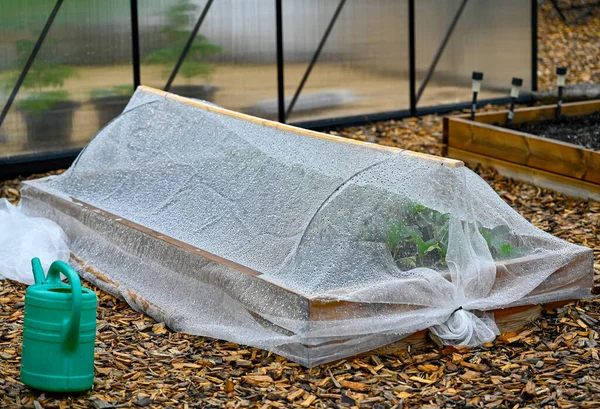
(36, 163)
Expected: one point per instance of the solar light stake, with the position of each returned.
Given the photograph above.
(476, 86)
(516, 85)
(561, 72)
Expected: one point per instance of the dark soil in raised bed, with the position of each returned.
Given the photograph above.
(579, 130)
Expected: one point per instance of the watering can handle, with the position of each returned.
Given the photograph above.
(70, 331)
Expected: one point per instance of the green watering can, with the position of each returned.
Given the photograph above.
(59, 329)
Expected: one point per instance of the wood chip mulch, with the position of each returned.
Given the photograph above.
(572, 46)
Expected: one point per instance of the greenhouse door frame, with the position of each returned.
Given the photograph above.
(16, 165)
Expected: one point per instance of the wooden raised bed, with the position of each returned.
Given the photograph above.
(119, 255)
(316, 309)
(508, 320)
(561, 166)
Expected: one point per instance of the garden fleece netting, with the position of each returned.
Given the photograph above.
(305, 244)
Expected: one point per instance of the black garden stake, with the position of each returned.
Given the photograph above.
(516, 85)
(561, 73)
(476, 86)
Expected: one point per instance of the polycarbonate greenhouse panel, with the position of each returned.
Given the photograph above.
(354, 74)
(493, 37)
(232, 60)
(362, 69)
(309, 245)
(77, 81)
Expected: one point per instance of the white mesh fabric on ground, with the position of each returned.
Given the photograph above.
(23, 238)
(401, 241)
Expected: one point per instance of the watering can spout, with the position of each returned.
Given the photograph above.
(38, 270)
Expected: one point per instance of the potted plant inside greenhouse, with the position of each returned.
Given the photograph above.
(179, 16)
(110, 102)
(46, 107)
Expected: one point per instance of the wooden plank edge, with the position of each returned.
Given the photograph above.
(534, 149)
(100, 280)
(568, 109)
(511, 319)
(526, 135)
(167, 239)
(300, 131)
(563, 184)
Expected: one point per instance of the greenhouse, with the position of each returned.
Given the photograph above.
(304, 62)
(298, 203)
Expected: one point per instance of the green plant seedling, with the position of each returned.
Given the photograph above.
(195, 65)
(419, 238)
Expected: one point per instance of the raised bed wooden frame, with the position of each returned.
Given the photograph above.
(509, 319)
(83, 216)
(561, 166)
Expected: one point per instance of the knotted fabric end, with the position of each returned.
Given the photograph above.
(467, 328)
